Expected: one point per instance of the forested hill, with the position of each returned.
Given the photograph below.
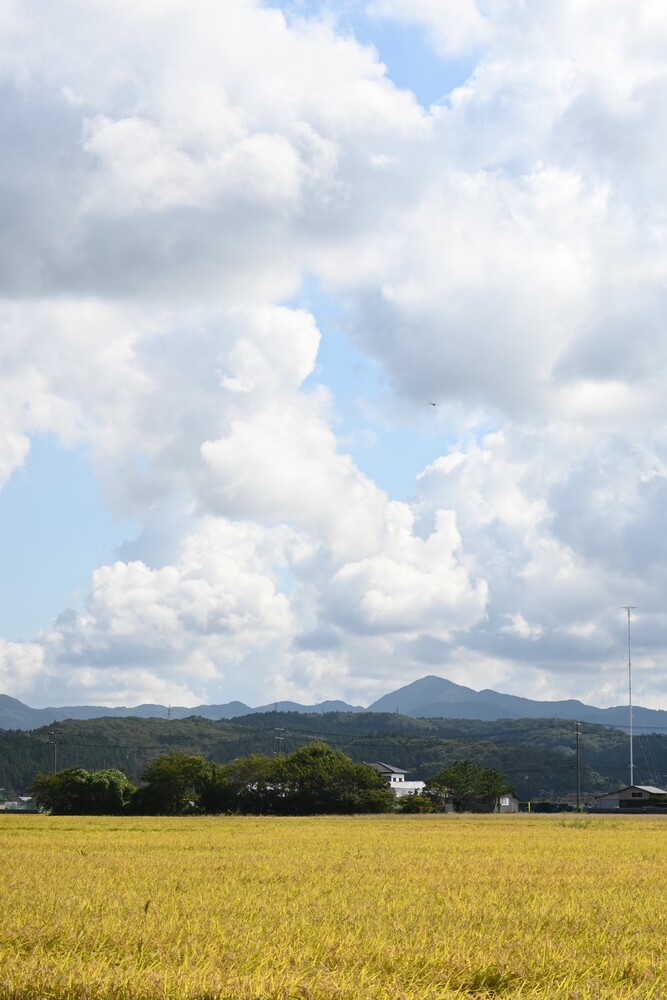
(429, 697)
(536, 755)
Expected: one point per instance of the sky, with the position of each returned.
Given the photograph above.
(246, 248)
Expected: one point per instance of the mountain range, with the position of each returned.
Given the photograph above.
(429, 698)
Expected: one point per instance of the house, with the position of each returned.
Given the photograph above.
(392, 775)
(22, 803)
(508, 803)
(395, 778)
(632, 797)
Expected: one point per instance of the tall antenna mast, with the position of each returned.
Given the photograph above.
(630, 608)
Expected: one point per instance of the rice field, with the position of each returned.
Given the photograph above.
(387, 907)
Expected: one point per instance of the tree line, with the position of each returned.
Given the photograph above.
(314, 779)
(541, 750)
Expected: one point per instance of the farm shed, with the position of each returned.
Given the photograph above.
(508, 803)
(631, 797)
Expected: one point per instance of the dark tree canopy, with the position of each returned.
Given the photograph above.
(174, 784)
(75, 791)
(247, 785)
(415, 804)
(314, 779)
(541, 748)
(469, 786)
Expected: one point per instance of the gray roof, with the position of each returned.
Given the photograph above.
(651, 789)
(385, 768)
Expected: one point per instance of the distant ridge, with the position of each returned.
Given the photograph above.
(430, 697)
(15, 715)
(437, 698)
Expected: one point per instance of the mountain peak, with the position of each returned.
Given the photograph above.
(428, 697)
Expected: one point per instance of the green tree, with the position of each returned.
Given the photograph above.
(436, 790)
(247, 785)
(77, 792)
(493, 786)
(60, 793)
(316, 779)
(469, 786)
(414, 804)
(108, 792)
(174, 783)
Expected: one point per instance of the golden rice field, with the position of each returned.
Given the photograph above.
(371, 907)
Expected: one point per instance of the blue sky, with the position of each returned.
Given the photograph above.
(54, 532)
(242, 254)
(390, 453)
(404, 49)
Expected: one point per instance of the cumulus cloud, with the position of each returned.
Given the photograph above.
(176, 167)
(411, 585)
(168, 185)
(179, 629)
(22, 666)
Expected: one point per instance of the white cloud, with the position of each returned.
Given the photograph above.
(22, 667)
(411, 585)
(179, 627)
(13, 450)
(455, 26)
(168, 183)
(519, 626)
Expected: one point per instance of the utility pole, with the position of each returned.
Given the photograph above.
(630, 608)
(54, 741)
(577, 731)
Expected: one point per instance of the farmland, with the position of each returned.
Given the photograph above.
(370, 907)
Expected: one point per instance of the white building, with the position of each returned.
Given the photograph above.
(508, 803)
(395, 778)
(22, 803)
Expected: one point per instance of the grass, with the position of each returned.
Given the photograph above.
(385, 908)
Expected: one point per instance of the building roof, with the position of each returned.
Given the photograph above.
(650, 789)
(385, 768)
(570, 798)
